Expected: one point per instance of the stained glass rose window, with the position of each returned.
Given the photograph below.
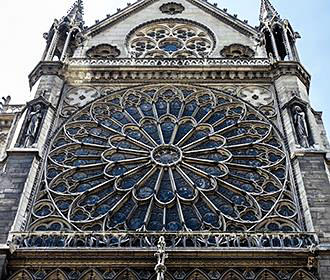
(173, 158)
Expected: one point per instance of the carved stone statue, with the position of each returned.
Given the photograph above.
(299, 119)
(33, 124)
(161, 255)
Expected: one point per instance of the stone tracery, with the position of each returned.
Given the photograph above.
(171, 39)
(167, 158)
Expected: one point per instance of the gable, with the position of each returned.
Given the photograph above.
(115, 30)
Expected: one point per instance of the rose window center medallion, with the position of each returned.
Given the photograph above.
(166, 158)
(167, 155)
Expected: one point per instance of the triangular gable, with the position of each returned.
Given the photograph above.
(233, 21)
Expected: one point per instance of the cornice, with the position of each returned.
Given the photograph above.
(145, 258)
(221, 15)
(130, 70)
(175, 70)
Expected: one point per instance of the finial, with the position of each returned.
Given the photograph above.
(76, 13)
(267, 11)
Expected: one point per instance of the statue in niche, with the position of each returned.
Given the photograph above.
(33, 126)
(299, 119)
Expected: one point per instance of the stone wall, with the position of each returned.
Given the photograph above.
(12, 183)
(315, 177)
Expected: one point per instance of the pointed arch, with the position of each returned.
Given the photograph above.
(127, 274)
(302, 275)
(56, 275)
(91, 274)
(197, 275)
(266, 275)
(232, 275)
(167, 276)
(21, 275)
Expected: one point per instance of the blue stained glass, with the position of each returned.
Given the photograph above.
(103, 209)
(190, 108)
(249, 216)
(173, 226)
(273, 227)
(147, 109)
(118, 170)
(62, 187)
(182, 131)
(167, 129)
(266, 204)
(52, 173)
(274, 158)
(63, 205)
(165, 193)
(211, 218)
(134, 134)
(183, 188)
(79, 216)
(136, 223)
(215, 117)
(170, 47)
(145, 192)
(202, 112)
(175, 107)
(161, 107)
(55, 226)
(280, 173)
(134, 113)
(217, 139)
(137, 217)
(92, 200)
(83, 187)
(44, 211)
(270, 187)
(286, 211)
(156, 219)
(79, 176)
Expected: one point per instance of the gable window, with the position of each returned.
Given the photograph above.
(171, 39)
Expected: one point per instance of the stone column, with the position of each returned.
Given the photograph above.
(67, 41)
(52, 46)
(274, 44)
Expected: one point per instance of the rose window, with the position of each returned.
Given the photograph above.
(171, 38)
(170, 158)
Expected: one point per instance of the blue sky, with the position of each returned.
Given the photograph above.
(22, 24)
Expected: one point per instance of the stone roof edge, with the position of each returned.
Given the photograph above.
(222, 15)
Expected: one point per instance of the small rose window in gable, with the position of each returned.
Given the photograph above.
(171, 8)
(237, 51)
(171, 39)
(104, 51)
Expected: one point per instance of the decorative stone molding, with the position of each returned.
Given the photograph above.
(168, 62)
(103, 51)
(219, 273)
(265, 241)
(237, 51)
(172, 8)
(142, 70)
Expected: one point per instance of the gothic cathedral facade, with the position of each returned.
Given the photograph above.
(170, 140)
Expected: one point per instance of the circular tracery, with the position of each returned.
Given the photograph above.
(167, 155)
(171, 38)
(168, 158)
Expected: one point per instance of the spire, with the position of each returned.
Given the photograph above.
(267, 11)
(76, 13)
